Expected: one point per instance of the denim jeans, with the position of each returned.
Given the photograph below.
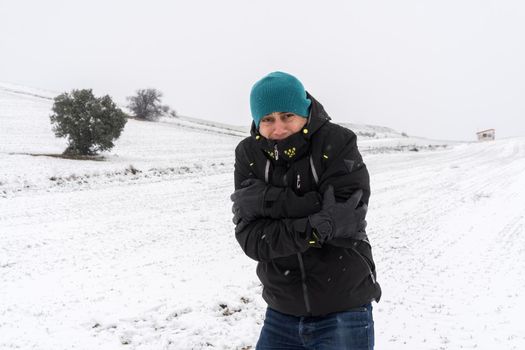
(347, 330)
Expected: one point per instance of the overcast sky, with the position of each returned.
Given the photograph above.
(439, 69)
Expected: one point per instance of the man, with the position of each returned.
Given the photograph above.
(300, 201)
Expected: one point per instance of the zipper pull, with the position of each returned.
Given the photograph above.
(276, 152)
(298, 185)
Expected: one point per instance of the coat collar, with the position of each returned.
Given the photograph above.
(297, 144)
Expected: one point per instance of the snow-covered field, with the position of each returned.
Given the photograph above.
(138, 252)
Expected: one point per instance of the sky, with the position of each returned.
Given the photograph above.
(438, 69)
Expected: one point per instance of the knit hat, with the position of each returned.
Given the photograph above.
(278, 92)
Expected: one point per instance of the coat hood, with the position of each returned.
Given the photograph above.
(295, 145)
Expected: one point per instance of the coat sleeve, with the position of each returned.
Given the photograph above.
(264, 239)
(344, 168)
(283, 202)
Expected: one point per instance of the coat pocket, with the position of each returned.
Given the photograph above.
(364, 252)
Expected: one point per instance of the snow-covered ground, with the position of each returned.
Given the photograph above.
(138, 252)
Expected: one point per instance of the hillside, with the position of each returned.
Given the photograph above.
(146, 151)
(137, 251)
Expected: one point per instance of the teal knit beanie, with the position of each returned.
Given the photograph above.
(278, 92)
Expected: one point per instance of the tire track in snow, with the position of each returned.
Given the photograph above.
(433, 274)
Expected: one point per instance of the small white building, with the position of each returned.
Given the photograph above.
(486, 135)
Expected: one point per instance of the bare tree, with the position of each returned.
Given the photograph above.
(146, 104)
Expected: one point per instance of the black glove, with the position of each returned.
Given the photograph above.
(236, 213)
(248, 201)
(339, 220)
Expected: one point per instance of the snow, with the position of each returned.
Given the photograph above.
(137, 251)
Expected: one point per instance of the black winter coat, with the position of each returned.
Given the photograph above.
(299, 276)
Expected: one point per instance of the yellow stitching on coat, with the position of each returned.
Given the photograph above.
(290, 152)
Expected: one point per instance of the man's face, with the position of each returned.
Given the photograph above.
(280, 125)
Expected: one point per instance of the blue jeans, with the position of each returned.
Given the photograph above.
(347, 330)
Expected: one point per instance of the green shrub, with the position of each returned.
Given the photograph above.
(90, 124)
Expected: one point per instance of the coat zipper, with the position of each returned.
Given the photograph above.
(276, 152)
(367, 265)
(303, 280)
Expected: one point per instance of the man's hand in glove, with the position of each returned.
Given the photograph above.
(339, 220)
(248, 201)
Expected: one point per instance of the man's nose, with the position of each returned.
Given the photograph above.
(279, 127)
